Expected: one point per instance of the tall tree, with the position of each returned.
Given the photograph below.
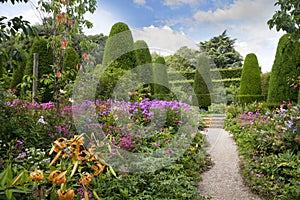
(250, 88)
(221, 50)
(284, 69)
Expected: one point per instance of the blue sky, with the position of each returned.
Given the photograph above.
(170, 24)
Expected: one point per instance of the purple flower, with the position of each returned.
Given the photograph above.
(169, 151)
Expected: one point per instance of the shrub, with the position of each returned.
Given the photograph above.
(202, 83)
(160, 78)
(41, 47)
(17, 76)
(269, 148)
(144, 64)
(265, 79)
(226, 73)
(71, 59)
(250, 88)
(117, 59)
(284, 68)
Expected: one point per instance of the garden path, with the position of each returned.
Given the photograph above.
(223, 181)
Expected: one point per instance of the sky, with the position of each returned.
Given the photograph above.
(167, 25)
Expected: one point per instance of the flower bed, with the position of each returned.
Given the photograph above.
(269, 145)
(111, 150)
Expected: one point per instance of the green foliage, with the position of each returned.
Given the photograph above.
(119, 56)
(71, 59)
(144, 64)
(226, 73)
(17, 76)
(179, 63)
(161, 87)
(265, 79)
(299, 97)
(1, 66)
(221, 50)
(287, 18)
(118, 51)
(269, 147)
(202, 83)
(45, 62)
(228, 82)
(284, 68)
(250, 88)
(142, 53)
(189, 75)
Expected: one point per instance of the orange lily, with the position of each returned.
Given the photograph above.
(98, 168)
(58, 177)
(86, 178)
(66, 194)
(36, 175)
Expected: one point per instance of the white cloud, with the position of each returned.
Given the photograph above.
(178, 3)
(26, 10)
(245, 20)
(139, 2)
(163, 40)
(102, 21)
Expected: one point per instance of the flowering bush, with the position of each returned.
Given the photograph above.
(75, 169)
(269, 145)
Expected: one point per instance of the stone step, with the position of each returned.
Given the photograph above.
(214, 121)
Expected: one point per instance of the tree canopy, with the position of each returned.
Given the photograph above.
(287, 18)
(221, 50)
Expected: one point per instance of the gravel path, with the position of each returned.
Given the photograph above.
(223, 181)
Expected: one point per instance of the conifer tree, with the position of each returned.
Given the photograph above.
(221, 50)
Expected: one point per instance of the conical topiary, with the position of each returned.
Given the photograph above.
(284, 69)
(160, 78)
(202, 83)
(250, 86)
(119, 56)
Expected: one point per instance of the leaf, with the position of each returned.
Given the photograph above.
(3, 177)
(8, 194)
(112, 171)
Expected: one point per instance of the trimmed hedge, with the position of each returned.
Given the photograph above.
(119, 57)
(244, 99)
(226, 73)
(160, 77)
(284, 68)
(250, 88)
(189, 75)
(228, 82)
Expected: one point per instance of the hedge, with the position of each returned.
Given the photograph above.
(226, 73)
(250, 98)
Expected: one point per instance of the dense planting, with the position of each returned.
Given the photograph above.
(123, 128)
(269, 144)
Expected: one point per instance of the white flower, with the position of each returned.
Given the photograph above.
(41, 120)
(62, 91)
